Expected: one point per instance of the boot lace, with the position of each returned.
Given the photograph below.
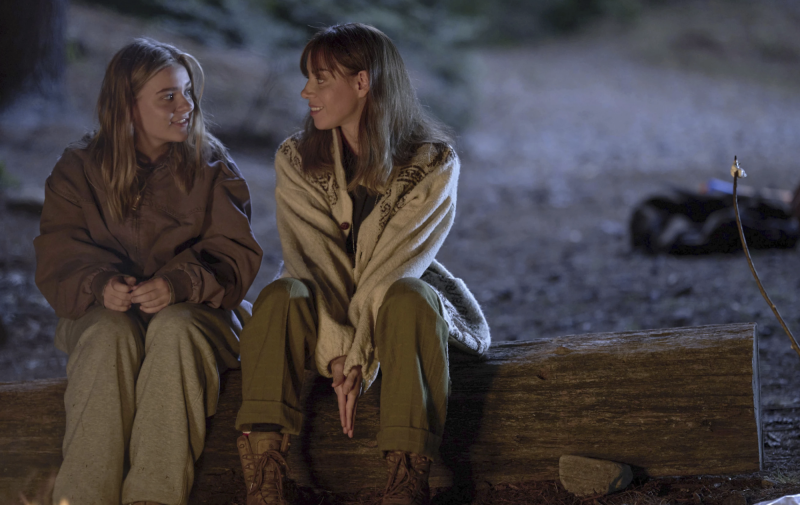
(269, 461)
(404, 482)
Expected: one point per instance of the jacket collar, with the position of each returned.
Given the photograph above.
(144, 162)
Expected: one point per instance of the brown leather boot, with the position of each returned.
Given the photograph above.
(264, 466)
(408, 479)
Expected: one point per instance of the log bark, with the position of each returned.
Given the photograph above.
(680, 401)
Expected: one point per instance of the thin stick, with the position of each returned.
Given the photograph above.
(738, 172)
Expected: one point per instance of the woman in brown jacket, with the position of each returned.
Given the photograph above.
(145, 250)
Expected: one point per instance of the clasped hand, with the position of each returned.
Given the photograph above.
(348, 389)
(123, 291)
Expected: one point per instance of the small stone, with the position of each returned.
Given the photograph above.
(29, 199)
(587, 476)
(766, 483)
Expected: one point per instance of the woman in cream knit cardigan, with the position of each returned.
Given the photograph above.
(365, 195)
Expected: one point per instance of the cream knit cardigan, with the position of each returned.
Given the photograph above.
(399, 238)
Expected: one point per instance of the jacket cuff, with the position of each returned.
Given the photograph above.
(181, 285)
(99, 283)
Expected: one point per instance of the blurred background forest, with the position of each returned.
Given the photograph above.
(568, 113)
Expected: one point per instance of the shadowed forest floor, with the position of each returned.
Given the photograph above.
(566, 137)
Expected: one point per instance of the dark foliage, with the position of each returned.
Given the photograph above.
(31, 48)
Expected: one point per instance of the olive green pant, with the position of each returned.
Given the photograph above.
(278, 343)
(142, 391)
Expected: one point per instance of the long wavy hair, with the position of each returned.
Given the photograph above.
(393, 123)
(112, 145)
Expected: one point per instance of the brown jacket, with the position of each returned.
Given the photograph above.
(201, 243)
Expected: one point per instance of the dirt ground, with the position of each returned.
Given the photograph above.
(568, 135)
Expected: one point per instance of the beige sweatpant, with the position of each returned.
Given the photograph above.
(410, 334)
(140, 392)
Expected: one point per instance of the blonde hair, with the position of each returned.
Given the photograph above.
(112, 146)
(393, 123)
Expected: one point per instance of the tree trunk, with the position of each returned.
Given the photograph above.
(32, 47)
(681, 401)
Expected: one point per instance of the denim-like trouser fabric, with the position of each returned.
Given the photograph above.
(278, 344)
(140, 391)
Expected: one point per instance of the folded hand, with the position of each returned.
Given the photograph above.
(117, 293)
(348, 389)
(152, 295)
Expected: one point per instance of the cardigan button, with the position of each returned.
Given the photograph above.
(344, 226)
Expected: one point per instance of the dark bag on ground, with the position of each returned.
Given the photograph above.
(686, 223)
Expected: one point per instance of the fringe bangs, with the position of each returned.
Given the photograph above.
(393, 124)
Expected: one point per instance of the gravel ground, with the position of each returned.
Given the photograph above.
(568, 136)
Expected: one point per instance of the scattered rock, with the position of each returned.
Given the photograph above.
(28, 199)
(613, 228)
(586, 476)
(766, 483)
(683, 316)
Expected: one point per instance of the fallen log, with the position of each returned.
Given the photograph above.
(679, 401)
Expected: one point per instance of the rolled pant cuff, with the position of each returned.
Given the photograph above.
(409, 440)
(269, 412)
